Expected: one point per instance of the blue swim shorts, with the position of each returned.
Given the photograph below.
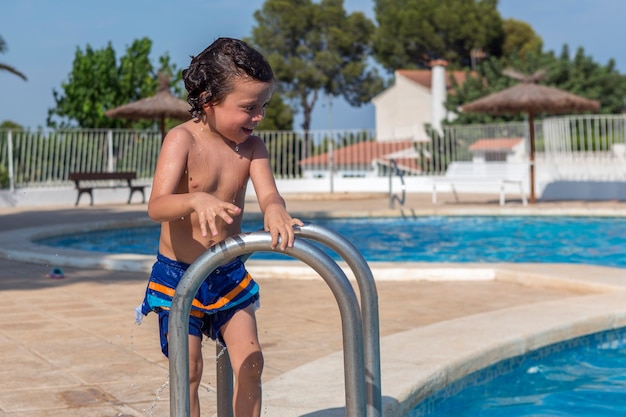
(225, 291)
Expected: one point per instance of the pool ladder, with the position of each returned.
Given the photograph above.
(360, 326)
(393, 198)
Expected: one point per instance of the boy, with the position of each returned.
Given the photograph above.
(198, 195)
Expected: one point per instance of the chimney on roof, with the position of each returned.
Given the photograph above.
(438, 93)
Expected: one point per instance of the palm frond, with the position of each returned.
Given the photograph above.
(4, 67)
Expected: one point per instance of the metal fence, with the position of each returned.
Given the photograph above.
(585, 148)
(45, 158)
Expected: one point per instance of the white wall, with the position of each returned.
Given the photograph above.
(402, 110)
(66, 196)
(547, 180)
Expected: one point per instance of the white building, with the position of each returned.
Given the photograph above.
(415, 101)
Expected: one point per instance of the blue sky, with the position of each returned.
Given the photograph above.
(43, 35)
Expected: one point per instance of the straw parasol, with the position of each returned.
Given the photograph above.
(160, 106)
(531, 98)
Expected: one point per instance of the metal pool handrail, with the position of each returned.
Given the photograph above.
(352, 323)
(369, 306)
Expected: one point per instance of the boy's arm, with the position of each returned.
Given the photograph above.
(165, 203)
(277, 220)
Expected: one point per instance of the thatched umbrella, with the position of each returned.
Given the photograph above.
(531, 98)
(160, 106)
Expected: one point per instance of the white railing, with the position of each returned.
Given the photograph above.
(573, 147)
(585, 148)
(45, 158)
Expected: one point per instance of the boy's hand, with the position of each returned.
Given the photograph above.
(209, 208)
(280, 225)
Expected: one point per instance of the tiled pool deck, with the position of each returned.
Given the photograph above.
(70, 346)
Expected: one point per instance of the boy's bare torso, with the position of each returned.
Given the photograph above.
(213, 167)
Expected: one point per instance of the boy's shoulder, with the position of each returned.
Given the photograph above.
(180, 134)
(256, 140)
(256, 143)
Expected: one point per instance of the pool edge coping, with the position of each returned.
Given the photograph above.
(412, 373)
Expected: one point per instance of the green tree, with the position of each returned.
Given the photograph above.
(489, 78)
(91, 88)
(9, 124)
(581, 75)
(411, 33)
(520, 39)
(578, 75)
(6, 67)
(317, 48)
(96, 84)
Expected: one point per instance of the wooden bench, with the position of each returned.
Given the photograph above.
(86, 182)
(484, 173)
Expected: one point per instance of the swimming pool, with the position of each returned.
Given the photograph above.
(588, 240)
(580, 377)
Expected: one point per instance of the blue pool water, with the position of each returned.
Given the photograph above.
(589, 240)
(583, 377)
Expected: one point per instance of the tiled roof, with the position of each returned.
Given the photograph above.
(424, 77)
(495, 144)
(360, 153)
(408, 164)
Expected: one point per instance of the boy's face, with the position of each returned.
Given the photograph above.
(242, 109)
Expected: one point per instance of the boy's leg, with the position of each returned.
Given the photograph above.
(195, 374)
(240, 335)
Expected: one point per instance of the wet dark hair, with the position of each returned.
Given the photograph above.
(210, 75)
